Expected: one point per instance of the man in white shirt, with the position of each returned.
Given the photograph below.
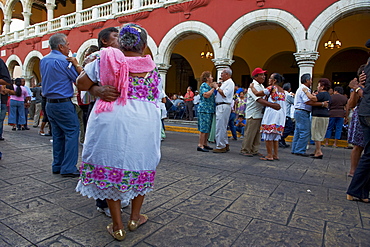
(224, 97)
(196, 102)
(253, 115)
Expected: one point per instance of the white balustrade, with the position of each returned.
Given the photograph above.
(105, 10)
(86, 15)
(124, 5)
(102, 11)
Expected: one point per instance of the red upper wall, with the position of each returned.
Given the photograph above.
(217, 14)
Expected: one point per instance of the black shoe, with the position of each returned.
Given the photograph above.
(207, 147)
(2, 139)
(202, 149)
(71, 175)
(303, 155)
(26, 128)
(47, 134)
(58, 172)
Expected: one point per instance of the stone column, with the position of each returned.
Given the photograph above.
(221, 64)
(306, 61)
(7, 28)
(79, 8)
(163, 68)
(27, 20)
(50, 6)
(7, 25)
(136, 4)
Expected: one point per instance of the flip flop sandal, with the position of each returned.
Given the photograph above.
(266, 159)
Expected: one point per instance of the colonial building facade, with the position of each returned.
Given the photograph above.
(284, 36)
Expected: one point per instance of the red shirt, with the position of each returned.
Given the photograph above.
(189, 95)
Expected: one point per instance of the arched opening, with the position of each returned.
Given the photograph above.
(353, 45)
(241, 72)
(343, 66)
(187, 64)
(285, 64)
(182, 74)
(15, 70)
(257, 46)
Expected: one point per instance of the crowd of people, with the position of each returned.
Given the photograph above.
(117, 87)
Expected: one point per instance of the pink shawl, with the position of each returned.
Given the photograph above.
(114, 71)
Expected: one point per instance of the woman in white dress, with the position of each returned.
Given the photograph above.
(122, 145)
(273, 121)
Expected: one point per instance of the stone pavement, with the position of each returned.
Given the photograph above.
(201, 199)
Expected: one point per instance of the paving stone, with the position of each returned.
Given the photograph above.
(7, 210)
(24, 188)
(263, 208)
(59, 241)
(258, 186)
(202, 206)
(164, 217)
(346, 214)
(11, 238)
(292, 192)
(233, 220)
(43, 222)
(189, 231)
(338, 235)
(69, 195)
(262, 233)
(307, 223)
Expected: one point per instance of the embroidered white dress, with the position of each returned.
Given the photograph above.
(273, 121)
(122, 146)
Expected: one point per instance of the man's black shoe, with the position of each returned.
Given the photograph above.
(304, 155)
(58, 172)
(2, 139)
(71, 175)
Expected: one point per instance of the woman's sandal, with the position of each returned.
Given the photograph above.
(134, 224)
(352, 198)
(118, 235)
(267, 159)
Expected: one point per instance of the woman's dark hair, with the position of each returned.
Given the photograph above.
(279, 78)
(339, 89)
(359, 71)
(104, 35)
(324, 82)
(205, 75)
(133, 38)
(18, 90)
(92, 49)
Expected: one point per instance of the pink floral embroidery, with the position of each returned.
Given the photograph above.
(123, 180)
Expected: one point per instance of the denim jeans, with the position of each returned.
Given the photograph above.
(231, 124)
(2, 117)
(16, 115)
(288, 128)
(240, 129)
(65, 128)
(302, 131)
(360, 184)
(336, 122)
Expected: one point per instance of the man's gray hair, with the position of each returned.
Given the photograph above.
(228, 71)
(57, 39)
(305, 77)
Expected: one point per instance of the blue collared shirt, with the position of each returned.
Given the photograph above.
(57, 78)
(301, 98)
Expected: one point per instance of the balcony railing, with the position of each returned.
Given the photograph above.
(109, 10)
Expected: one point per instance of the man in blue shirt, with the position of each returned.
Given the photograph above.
(58, 72)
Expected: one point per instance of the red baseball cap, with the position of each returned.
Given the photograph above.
(257, 71)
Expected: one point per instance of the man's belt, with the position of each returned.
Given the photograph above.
(58, 100)
(303, 110)
(223, 103)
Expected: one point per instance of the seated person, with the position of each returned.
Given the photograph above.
(178, 105)
(240, 124)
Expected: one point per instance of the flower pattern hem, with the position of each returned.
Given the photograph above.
(105, 177)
